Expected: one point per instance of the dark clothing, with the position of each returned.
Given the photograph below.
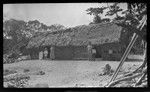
(89, 56)
(52, 53)
(93, 56)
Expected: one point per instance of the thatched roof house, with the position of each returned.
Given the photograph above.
(73, 41)
(79, 36)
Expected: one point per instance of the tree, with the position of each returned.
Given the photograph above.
(56, 27)
(105, 20)
(14, 30)
(131, 23)
(129, 17)
(113, 10)
(135, 23)
(97, 12)
(134, 14)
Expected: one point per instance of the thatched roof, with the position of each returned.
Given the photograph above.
(79, 36)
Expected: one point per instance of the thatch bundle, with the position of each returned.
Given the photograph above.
(79, 36)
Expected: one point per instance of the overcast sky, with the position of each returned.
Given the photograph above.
(67, 14)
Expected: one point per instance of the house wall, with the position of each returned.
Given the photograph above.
(63, 53)
(116, 51)
(98, 51)
(24, 50)
(80, 52)
(70, 52)
(34, 53)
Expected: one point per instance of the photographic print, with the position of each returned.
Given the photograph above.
(75, 45)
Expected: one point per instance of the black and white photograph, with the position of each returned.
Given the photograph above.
(75, 45)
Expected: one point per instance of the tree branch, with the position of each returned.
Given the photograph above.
(123, 79)
(133, 29)
(140, 79)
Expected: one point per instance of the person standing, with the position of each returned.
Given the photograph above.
(93, 54)
(45, 53)
(40, 55)
(52, 53)
(89, 48)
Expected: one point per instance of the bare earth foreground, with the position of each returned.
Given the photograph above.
(68, 73)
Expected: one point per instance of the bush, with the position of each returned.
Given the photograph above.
(40, 73)
(16, 81)
(7, 72)
(107, 70)
(9, 60)
(26, 70)
(15, 77)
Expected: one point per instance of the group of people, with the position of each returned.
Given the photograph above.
(91, 52)
(44, 54)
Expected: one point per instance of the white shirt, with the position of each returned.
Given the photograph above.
(89, 47)
(45, 52)
(93, 51)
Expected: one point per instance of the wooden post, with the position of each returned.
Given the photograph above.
(124, 56)
(142, 23)
(52, 53)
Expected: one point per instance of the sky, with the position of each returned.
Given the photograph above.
(67, 14)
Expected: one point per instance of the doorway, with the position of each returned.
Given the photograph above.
(98, 52)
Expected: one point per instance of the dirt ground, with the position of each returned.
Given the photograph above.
(68, 73)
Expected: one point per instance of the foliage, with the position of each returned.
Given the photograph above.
(96, 12)
(132, 16)
(7, 60)
(13, 29)
(56, 27)
(16, 81)
(97, 19)
(17, 33)
(40, 73)
(7, 72)
(79, 36)
(135, 14)
(114, 9)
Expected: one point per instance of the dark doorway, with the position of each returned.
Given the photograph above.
(48, 48)
(98, 52)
